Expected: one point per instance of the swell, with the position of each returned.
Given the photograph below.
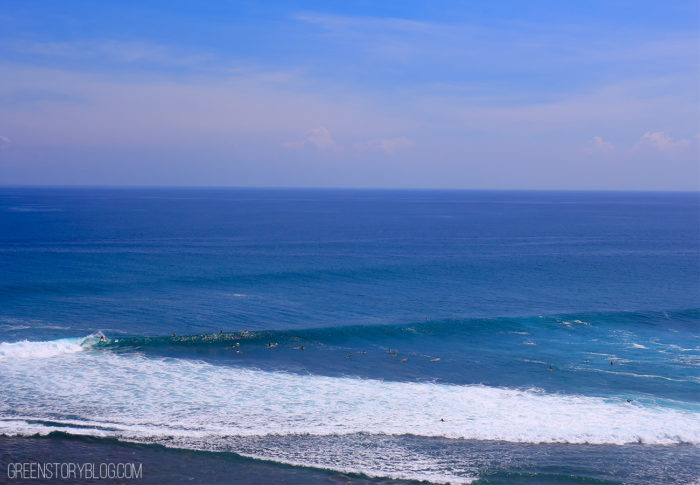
(385, 274)
(654, 353)
(441, 329)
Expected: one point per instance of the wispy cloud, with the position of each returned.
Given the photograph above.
(4, 142)
(352, 25)
(116, 51)
(502, 46)
(394, 39)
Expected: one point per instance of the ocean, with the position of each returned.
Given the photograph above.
(352, 336)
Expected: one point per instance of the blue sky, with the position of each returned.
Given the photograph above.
(483, 95)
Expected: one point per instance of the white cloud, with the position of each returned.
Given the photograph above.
(649, 143)
(4, 142)
(387, 145)
(598, 145)
(319, 138)
(659, 141)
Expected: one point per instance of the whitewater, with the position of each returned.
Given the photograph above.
(67, 386)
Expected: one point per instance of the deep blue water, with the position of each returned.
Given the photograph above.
(439, 335)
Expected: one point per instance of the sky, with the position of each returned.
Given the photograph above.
(595, 95)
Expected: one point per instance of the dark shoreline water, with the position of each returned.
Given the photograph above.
(164, 465)
(497, 462)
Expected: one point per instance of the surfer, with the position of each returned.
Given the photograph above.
(612, 363)
(102, 338)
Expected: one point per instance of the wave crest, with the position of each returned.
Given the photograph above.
(26, 349)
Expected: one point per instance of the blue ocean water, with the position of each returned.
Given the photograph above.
(448, 336)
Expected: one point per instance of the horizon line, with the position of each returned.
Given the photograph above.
(321, 188)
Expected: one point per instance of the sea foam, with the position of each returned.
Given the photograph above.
(197, 405)
(151, 397)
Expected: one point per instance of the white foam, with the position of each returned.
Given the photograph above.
(51, 348)
(134, 390)
(678, 347)
(194, 404)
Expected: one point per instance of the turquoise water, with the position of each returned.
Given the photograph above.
(507, 337)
